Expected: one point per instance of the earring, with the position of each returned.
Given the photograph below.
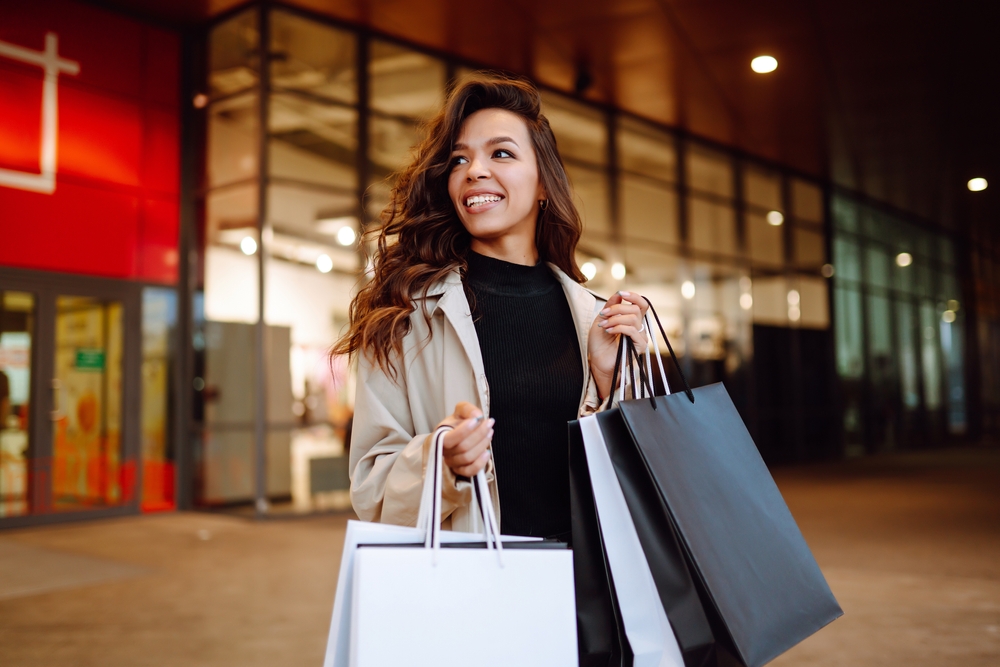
(543, 204)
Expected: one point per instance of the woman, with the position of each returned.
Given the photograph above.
(475, 310)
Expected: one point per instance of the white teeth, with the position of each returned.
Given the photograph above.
(479, 200)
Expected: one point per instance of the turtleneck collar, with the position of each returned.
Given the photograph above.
(507, 278)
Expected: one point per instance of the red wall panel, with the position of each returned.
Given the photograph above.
(114, 209)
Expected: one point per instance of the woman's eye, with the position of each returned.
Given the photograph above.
(500, 152)
(458, 159)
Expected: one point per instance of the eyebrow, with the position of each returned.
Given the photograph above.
(492, 142)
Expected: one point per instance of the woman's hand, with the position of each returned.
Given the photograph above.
(622, 315)
(466, 446)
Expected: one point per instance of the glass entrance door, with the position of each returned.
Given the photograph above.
(87, 457)
(71, 397)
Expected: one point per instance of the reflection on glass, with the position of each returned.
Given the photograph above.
(311, 56)
(581, 132)
(646, 150)
(878, 271)
(711, 227)
(405, 82)
(709, 171)
(762, 189)
(807, 201)
(232, 140)
(814, 302)
(952, 344)
(305, 223)
(17, 324)
(233, 62)
(845, 214)
(87, 467)
(159, 318)
(882, 372)
(846, 259)
(648, 209)
(313, 142)
(766, 243)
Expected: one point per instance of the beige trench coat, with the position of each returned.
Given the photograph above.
(393, 419)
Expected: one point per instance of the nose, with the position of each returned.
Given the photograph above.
(478, 169)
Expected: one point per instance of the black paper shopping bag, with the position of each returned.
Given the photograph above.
(760, 586)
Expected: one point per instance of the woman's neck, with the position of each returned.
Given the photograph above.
(508, 248)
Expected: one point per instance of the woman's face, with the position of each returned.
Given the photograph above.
(494, 182)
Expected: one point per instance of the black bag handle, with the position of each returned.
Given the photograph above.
(630, 350)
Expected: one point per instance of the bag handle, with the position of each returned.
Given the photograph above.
(429, 514)
(626, 352)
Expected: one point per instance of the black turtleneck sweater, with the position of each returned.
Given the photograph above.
(535, 372)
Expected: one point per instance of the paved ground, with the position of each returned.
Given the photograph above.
(910, 545)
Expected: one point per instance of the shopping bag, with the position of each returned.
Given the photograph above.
(415, 599)
(650, 637)
(760, 586)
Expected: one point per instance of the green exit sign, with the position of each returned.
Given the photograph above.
(89, 359)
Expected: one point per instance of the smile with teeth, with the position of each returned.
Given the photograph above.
(479, 200)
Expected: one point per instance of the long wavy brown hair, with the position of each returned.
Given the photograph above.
(422, 239)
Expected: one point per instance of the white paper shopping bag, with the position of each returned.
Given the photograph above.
(408, 596)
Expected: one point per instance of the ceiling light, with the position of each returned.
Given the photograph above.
(324, 263)
(977, 184)
(248, 245)
(200, 101)
(827, 271)
(330, 226)
(794, 314)
(793, 297)
(948, 316)
(687, 289)
(774, 218)
(904, 259)
(589, 270)
(617, 270)
(953, 304)
(764, 64)
(746, 301)
(346, 236)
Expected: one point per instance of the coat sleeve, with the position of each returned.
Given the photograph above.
(388, 459)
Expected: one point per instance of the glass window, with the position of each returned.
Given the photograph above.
(313, 142)
(159, 320)
(709, 171)
(231, 243)
(849, 333)
(766, 242)
(391, 142)
(581, 131)
(233, 62)
(87, 465)
(311, 56)
(590, 190)
(845, 215)
(232, 140)
(17, 330)
(813, 303)
(810, 247)
(846, 258)
(646, 150)
(770, 300)
(403, 82)
(807, 201)
(879, 273)
(930, 358)
(648, 209)
(711, 226)
(762, 188)
(306, 224)
(909, 381)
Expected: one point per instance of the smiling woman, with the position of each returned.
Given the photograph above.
(475, 318)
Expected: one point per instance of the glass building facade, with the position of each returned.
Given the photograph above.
(790, 293)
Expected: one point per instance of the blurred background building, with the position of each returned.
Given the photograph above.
(184, 185)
